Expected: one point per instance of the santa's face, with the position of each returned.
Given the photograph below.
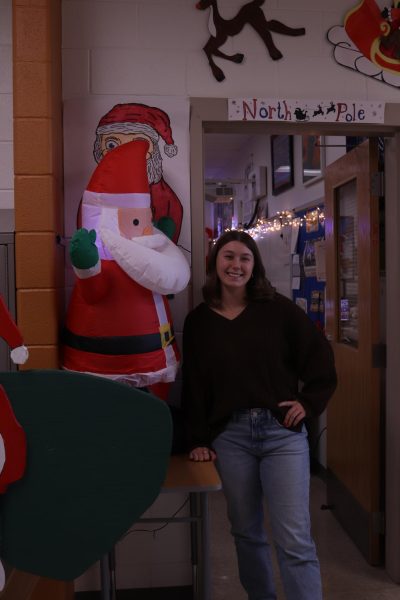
(134, 222)
(110, 140)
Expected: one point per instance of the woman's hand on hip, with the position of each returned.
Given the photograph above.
(295, 414)
(202, 454)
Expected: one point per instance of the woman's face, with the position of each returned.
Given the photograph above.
(234, 265)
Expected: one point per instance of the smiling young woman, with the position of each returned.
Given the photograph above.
(246, 348)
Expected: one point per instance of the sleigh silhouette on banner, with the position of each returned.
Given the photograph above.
(377, 37)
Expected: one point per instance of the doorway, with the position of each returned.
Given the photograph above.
(211, 115)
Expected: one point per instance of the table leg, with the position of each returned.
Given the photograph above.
(205, 546)
(200, 541)
(107, 576)
(194, 544)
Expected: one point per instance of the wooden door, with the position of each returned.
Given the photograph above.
(354, 421)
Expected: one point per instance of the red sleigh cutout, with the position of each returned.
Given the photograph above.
(374, 36)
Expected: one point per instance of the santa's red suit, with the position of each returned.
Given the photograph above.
(118, 328)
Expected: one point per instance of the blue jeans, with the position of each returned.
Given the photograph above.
(257, 457)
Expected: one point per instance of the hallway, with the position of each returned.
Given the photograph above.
(345, 574)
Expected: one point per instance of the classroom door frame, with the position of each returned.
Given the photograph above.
(210, 115)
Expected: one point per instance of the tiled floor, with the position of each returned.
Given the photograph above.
(345, 573)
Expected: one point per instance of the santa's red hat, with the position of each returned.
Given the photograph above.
(120, 179)
(135, 118)
(8, 329)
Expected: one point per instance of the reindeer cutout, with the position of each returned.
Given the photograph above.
(221, 29)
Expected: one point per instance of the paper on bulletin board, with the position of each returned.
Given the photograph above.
(275, 253)
(295, 283)
(319, 247)
(309, 262)
(302, 302)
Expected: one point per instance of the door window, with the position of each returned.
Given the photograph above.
(347, 223)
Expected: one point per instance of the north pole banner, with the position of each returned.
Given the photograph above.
(303, 111)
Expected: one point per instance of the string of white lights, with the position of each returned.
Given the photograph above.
(285, 218)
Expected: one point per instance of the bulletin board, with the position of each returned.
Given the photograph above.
(308, 278)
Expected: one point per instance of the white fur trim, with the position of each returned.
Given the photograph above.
(171, 150)
(87, 273)
(2, 453)
(129, 128)
(19, 355)
(128, 200)
(166, 375)
(153, 261)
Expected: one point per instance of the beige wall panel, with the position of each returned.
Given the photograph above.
(42, 357)
(31, 34)
(38, 315)
(36, 208)
(33, 146)
(32, 96)
(39, 261)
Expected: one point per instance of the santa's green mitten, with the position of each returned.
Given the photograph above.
(166, 225)
(83, 250)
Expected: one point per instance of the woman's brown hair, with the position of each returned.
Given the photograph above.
(258, 287)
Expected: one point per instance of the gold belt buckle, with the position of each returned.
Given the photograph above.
(166, 335)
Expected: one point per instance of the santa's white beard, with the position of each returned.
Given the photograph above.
(153, 261)
(154, 165)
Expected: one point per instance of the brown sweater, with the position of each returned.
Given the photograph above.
(260, 358)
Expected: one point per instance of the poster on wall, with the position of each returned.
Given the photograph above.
(94, 126)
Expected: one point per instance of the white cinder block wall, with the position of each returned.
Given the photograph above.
(6, 125)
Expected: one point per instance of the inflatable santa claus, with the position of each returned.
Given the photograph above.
(118, 322)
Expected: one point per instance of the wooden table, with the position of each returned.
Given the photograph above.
(196, 479)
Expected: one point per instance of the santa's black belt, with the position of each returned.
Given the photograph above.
(123, 344)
